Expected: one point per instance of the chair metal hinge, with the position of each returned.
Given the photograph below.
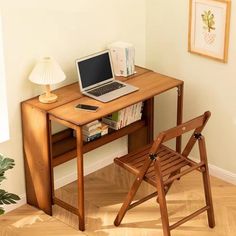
(153, 156)
(197, 135)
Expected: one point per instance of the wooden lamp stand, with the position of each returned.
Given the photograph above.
(48, 97)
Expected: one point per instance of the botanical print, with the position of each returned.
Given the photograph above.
(209, 26)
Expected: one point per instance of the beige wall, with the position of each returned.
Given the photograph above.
(209, 85)
(70, 29)
(65, 30)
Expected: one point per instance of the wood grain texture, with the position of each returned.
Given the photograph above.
(72, 92)
(150, 84)
(35, 143)
(44, 153)
(64, 149)
(105, 191)
(28, 221)
(161, 166)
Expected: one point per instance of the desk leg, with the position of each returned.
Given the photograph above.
(179, 114)
(149, 117)
(51, 159)
(80, 173)
(143, 136)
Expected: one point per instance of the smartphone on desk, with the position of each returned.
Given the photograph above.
(86, 107)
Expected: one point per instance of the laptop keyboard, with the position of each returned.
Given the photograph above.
(106, 89)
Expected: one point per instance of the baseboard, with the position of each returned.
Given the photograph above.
(220, 173)
(87, 170)
(19, 203)
(70, 178)
(214, 171)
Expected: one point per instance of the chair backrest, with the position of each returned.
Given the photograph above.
(197, 124)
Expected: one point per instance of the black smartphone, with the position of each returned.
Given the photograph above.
(87, 107)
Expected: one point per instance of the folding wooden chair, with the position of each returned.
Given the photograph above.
(160, 166)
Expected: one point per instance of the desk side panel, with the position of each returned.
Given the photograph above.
(36, 157)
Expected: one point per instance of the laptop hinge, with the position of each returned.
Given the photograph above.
(101, 85)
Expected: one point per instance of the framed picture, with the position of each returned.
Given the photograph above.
(209, 28)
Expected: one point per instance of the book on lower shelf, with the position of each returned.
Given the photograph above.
(91, 126)
(88, 138)
(124, 117)
(93, 130)
(115, 121)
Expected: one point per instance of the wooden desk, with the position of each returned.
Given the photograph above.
(43, 151)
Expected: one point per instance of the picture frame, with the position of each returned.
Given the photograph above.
(209, 22)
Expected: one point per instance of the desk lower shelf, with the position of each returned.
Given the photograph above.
(64, 144)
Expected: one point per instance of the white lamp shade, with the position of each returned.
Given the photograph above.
(47, 71)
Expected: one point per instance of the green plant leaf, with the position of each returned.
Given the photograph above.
(211, 17)
(208, 20)
(5, 164)
(2, 178)
(8, 198)
(1, 211)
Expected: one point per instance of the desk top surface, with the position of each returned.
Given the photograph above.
(149, 83)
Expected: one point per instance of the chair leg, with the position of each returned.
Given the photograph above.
(206, 183)
(162, 203)
(128, 200)
(208, 197)
(164, 213)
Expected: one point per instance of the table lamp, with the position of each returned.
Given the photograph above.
(46, 72)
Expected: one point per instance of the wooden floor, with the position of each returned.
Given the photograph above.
(105, 191)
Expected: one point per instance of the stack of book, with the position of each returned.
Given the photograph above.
(94, 130)
(124, 117)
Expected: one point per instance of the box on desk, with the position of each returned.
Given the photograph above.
(123, 58)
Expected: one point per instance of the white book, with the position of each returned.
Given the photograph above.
(92, 131)
(92, 126)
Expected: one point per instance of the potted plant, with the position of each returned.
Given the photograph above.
(5, 197)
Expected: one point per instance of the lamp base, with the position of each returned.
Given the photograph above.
(45, 98)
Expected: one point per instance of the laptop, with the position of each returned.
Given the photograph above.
(97, 80)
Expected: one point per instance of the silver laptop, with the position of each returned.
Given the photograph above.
(97, 80)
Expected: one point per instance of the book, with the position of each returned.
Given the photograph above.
(91, 126)
(124, 117)
(111, 123)
(104, 129)
(91, 138)
(92, 131)
(91, 134)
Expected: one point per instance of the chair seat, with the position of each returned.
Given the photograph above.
(171, 162)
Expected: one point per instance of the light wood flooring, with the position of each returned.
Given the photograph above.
(105, 190)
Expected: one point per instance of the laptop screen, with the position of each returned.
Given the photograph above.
(94, 69)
